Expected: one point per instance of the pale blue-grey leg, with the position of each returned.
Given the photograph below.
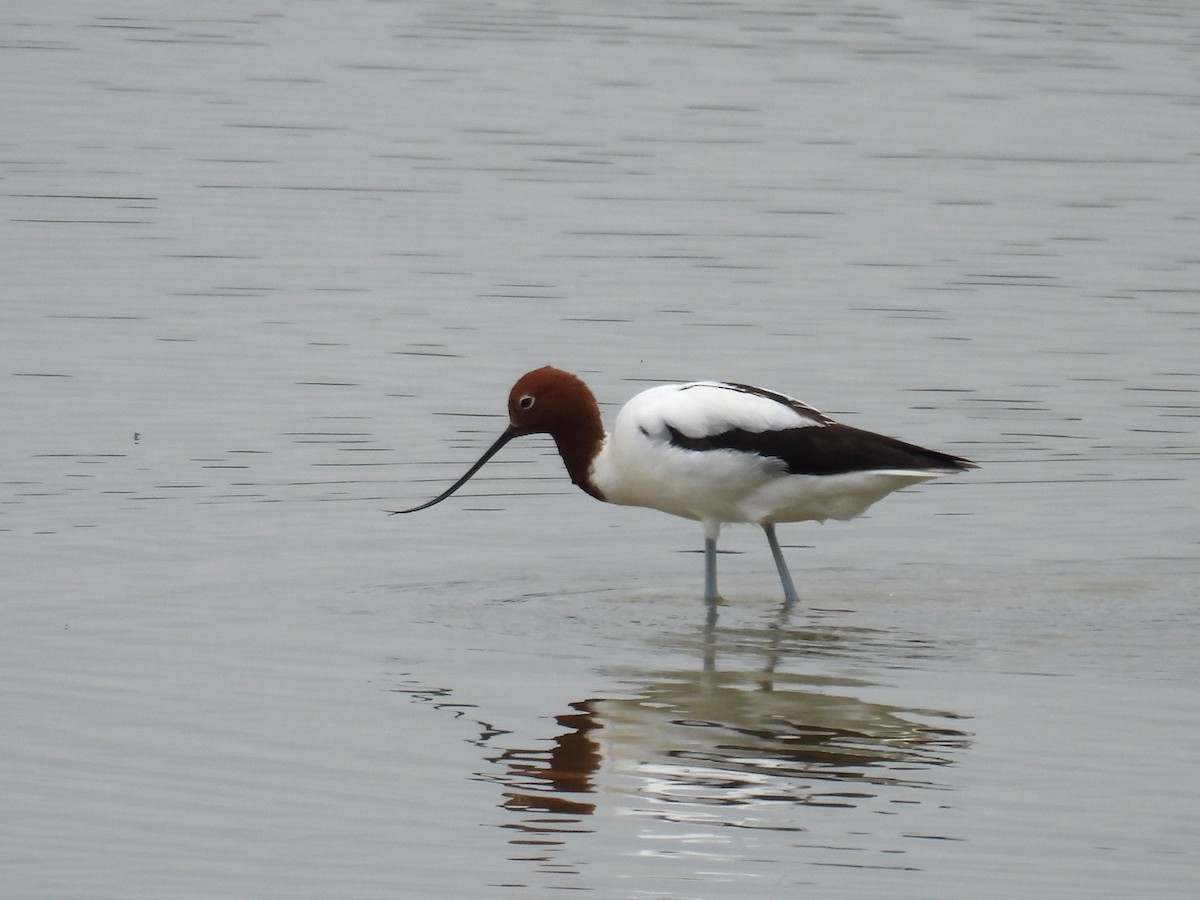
(789, 589)
(712, 530)
(710, 571)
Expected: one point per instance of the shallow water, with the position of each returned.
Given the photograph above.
(271, 271)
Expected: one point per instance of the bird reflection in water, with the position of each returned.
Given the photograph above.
(736, 732)
(566, 768)
(735, 735)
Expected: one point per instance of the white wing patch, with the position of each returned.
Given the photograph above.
(706, 408)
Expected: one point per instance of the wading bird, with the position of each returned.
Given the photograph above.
(714, 452)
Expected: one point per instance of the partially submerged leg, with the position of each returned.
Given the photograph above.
(711, 531)
(710, 571)
(789, 589)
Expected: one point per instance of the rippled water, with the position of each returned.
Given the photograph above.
(270, 271)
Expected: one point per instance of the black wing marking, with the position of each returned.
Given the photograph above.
(831, 449)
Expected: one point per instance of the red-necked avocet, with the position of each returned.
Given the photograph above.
(715, 452)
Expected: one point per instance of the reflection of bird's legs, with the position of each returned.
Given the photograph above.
(710, 639)
(775, 628)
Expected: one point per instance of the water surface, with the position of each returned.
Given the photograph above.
(271, 270)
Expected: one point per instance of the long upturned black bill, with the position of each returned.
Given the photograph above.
(507, 436)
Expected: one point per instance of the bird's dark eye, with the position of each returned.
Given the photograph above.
(525, 402)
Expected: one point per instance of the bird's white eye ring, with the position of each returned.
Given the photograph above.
(525, 402)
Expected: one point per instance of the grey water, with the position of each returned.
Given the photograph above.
(270, 270)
